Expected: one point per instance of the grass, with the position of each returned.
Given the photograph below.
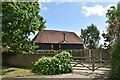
(18, 72)
(12, 72)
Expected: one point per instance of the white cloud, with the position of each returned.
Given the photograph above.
(83, 3)
(98, 10)
(78, 0)
(57, 3)
(44, 0)
(42, 7)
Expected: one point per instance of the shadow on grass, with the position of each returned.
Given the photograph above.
(7, 71)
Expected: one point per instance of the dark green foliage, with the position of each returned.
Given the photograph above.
(65, 59)
(53, 65)
(64, 56)
(19, 20)
(115, 60)
(90, 37)
(46, 65)
(113, 15)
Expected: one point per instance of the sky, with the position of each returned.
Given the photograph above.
(75, 15)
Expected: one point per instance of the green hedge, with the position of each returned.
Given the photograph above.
(115, 60)
(58, 64)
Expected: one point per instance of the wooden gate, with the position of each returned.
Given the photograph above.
(95, 61)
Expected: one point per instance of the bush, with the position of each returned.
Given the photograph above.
(53, 65)
(64, 56)
(65, 59)
(46, 65)
(115, 60)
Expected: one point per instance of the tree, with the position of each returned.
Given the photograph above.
(113, 29)
(90, 36)
(115, 60)
(113, 15)
(19, 19)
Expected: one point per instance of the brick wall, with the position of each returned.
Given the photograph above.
(27, 60)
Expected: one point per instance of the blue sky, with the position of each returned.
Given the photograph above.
(74, 16)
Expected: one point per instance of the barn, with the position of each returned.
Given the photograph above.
(57, 40)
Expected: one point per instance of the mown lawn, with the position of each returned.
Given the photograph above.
(18, 72)
(11, 72)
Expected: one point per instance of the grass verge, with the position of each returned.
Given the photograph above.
(18, 72)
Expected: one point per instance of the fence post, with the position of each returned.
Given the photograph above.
(90, 52)
(80, 55)
(101, 56)
(92, 59)
(93, 63)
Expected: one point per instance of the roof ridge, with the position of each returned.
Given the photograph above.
(58, 30)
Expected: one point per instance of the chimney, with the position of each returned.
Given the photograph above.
(64, 35)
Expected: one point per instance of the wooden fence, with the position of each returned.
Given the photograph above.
(27, 60)
(94, 59)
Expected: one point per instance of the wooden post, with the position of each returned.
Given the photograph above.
(81, 55)
(93, 63)
(93, 60)
(100, 56)
(90, 52)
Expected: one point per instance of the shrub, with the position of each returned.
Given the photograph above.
(65, 59)
(46, 65)
(115, 60)
(53, 65)
(64, 56)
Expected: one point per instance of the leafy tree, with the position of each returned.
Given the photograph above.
(113, 30)
(115, 60)
(113, 15)
(113, 21)
(19, 20)
(90, 36)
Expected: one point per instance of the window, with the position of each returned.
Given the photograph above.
(56, 46)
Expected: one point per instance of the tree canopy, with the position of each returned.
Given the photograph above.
(90, 36)
(113, 15)
(19, 19)
(113, 29)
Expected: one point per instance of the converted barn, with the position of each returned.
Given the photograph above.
(55, 40)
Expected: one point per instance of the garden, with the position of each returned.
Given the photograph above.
(21, 19)
(56, 66)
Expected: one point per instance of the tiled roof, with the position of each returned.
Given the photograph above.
(54, 36)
